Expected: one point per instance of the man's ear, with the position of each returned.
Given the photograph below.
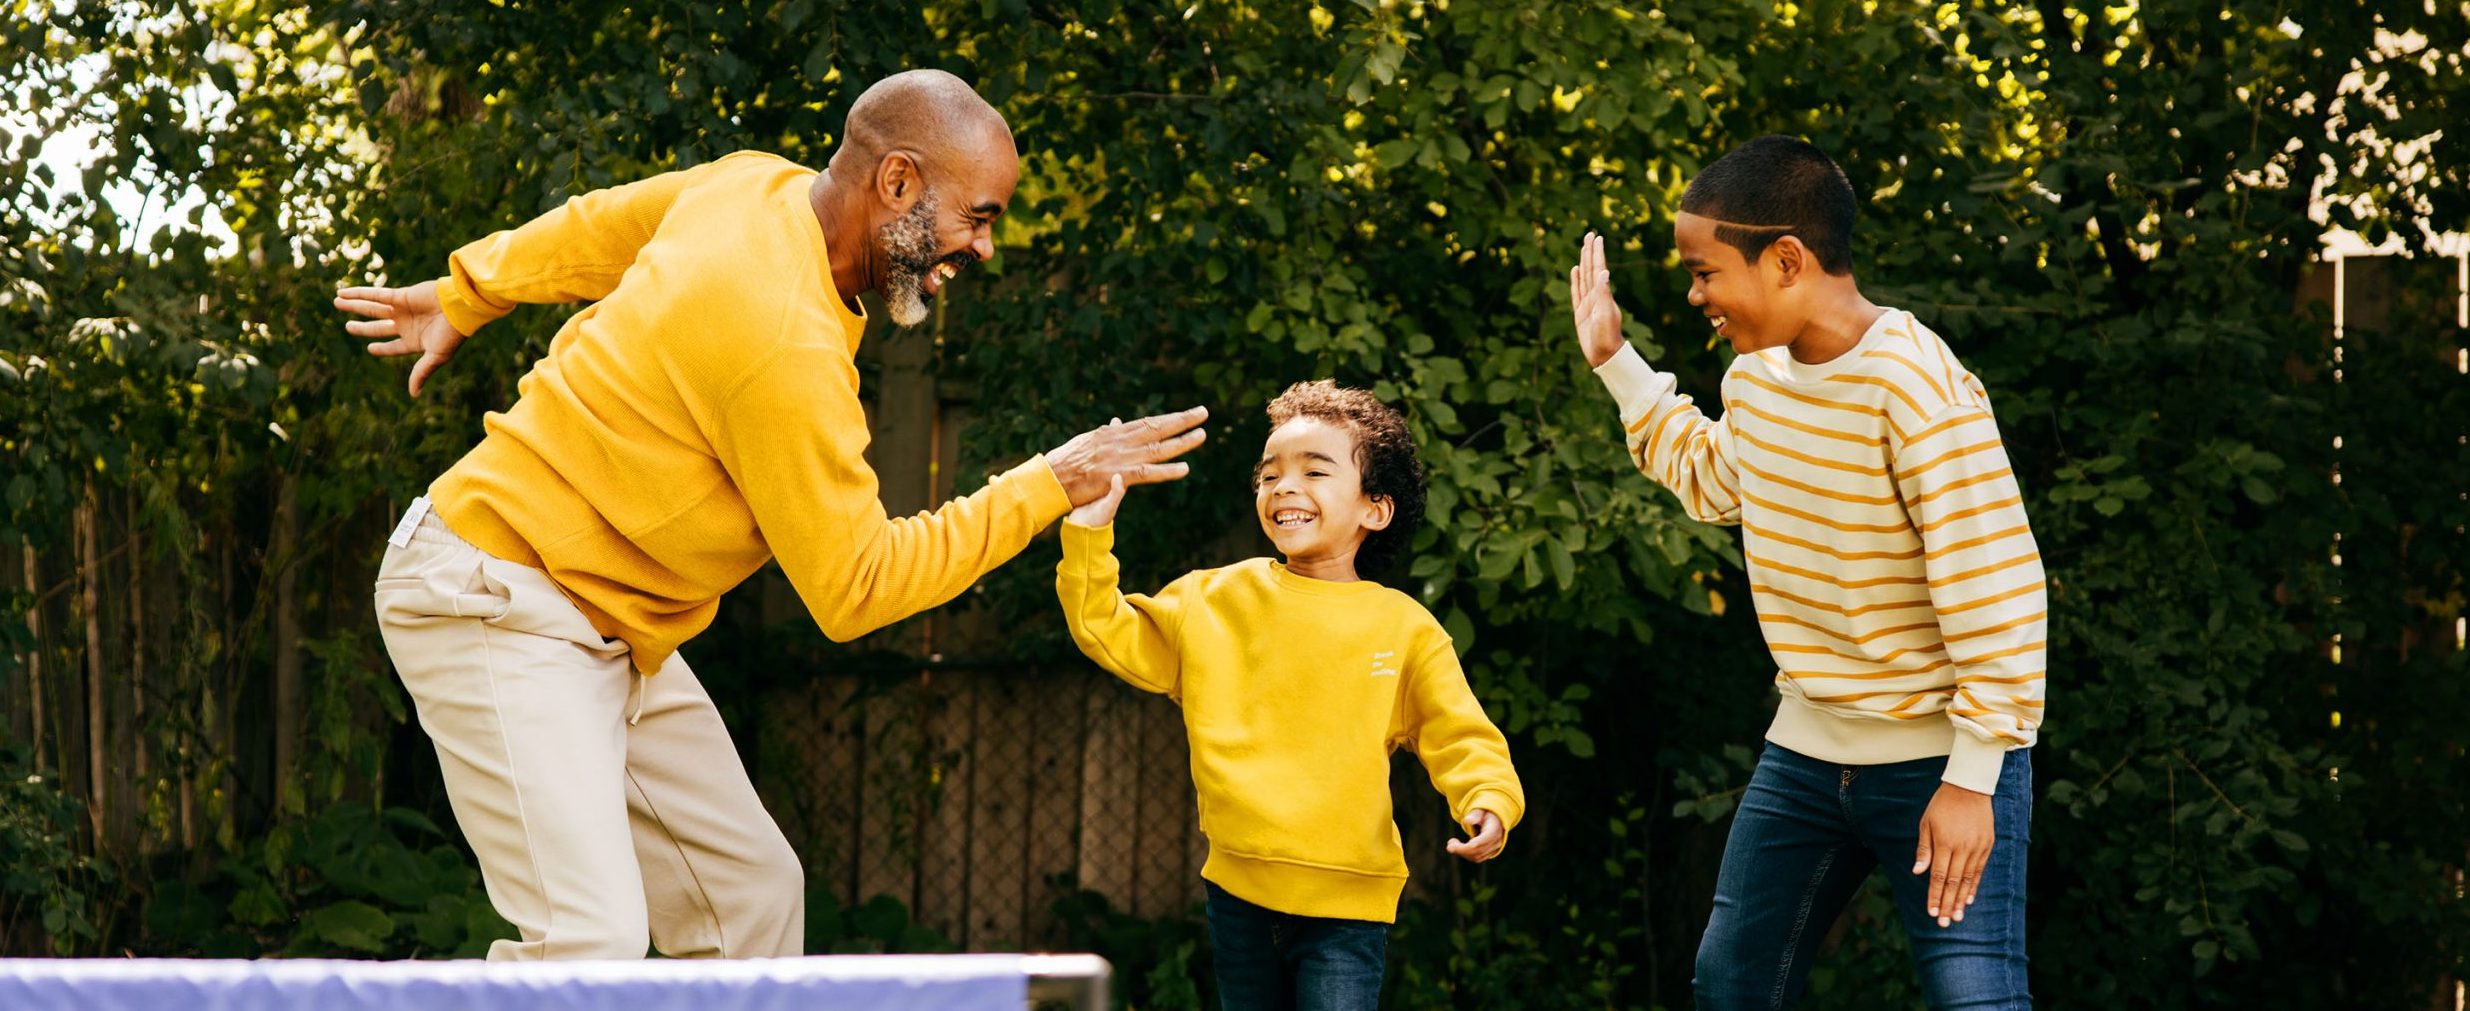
(1789, 257)
(898, 181)
(1384, 509)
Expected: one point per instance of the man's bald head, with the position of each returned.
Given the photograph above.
(935, 115)
(923, 170)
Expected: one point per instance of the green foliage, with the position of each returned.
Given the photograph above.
(878, 926)
(350, 881)
(44, 880)
(2107, 211)
(1159, 964)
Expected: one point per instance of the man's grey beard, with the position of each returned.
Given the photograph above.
(908, 244)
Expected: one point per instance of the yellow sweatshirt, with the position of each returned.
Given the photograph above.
(701, 418)
(1894, 571)
(1295, 691)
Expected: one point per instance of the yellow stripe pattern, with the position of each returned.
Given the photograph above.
(1890, 559)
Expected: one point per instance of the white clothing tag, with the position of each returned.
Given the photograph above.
(402, 537)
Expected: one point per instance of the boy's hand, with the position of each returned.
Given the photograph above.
(1487, 838)
(1957, 832)
(409, 315)
(1590, 301)
(1101, 511)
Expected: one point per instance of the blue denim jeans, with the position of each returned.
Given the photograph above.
(1272, 960)
(1807, 834)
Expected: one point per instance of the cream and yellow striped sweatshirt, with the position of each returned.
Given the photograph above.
(1895, 576)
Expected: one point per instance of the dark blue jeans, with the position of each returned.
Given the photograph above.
(1807, 834)
(1272, 960)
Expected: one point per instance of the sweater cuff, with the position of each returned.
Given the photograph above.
(1083, 542)
(1635, 385)
(1499, 802)
(1974, 763)
(463, 314)
(1044, 491)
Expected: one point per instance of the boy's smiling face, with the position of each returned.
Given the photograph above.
(1747, 301)
(1309, 494)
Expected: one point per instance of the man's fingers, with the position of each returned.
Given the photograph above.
(365, 293)
(389, 349)
(1159, 426)
(1160, 452)
(1154, 473)
(371, 328)
(363, 306)
(428, 363)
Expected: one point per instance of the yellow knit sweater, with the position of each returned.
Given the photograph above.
(702, 417)
(1295, 691)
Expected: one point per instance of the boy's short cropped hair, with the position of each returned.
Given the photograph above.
(1772, 187)
(1384, 452)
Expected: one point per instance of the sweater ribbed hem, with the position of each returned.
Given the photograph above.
(1304, 890)
(1830, 735)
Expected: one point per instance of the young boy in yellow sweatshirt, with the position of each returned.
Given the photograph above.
(1297, 680)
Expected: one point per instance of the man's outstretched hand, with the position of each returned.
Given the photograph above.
(1138, 451)
(411, 316)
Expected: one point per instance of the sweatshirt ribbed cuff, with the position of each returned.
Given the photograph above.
(1044, 490)
(1501, 804)
(1635, 385)
(461, 313)
(1974, 763)
(1085, 542)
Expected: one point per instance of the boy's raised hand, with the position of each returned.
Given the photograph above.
(1957, 831)
(1101, 510)
(1590, 301)
(1486, 838)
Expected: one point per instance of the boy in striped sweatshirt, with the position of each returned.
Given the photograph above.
(1895, 578)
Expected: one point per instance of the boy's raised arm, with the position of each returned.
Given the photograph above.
(1133, 637)
(1669, 438)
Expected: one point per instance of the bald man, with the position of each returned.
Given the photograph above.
(697, 420)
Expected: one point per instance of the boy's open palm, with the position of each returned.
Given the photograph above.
(1101, 510)
(1590, 301)
(1957, 832)
(1485, 839)
(409, 315)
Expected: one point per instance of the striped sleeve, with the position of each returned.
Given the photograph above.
(1986, 584)
(1672, 441)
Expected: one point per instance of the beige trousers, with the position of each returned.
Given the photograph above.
(607, 810)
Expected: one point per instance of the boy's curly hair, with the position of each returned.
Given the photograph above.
(1384, 452)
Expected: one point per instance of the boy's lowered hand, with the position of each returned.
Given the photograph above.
(1590, 301)
(1957, 832)
(1486, 837)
